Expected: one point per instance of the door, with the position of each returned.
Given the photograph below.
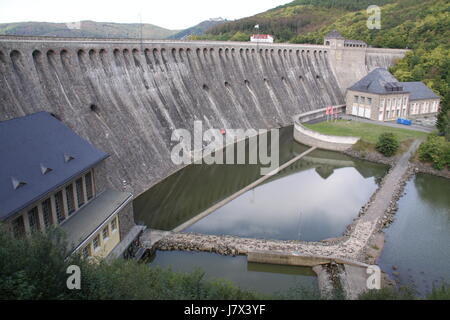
(361, 112)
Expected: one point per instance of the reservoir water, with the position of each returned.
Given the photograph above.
(313, 199)
(263, 278)
(418, 242)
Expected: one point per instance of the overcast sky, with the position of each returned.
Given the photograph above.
(171, 14)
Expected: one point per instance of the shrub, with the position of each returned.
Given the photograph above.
(35, 268)
(435, 150)
(387, 144)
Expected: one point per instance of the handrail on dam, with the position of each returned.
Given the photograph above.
(315, 139)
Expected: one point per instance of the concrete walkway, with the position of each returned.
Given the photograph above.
(414, 127)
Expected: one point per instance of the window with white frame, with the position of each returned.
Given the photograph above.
(86, 253)
(89, 186)
(70, 199)
(96, 242)
(47, 212)
(105, 233)
(59, 207)
(80, 191)
(33, 219)
(114, 224)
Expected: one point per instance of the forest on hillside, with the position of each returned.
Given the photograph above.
(422, 26)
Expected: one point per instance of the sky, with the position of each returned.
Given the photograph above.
(170, 14)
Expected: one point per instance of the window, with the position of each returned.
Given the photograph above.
(382, 102)
(105, 233)
(89, 186)
(363, 100)
(80, 191)
(114, 224)
(369, 101)
(70, 199)
(33, 219)
(86, 251)
(356, 99)
(59, 207)
(96, 242)
(18, 227)
(47, 212)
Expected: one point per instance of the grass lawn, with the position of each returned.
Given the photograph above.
(366, 131)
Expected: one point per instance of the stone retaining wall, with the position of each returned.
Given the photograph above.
(315, 139)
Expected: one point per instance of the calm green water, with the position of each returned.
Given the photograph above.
(195, 188)
(418, 242)
(263, 278)
(314, 199)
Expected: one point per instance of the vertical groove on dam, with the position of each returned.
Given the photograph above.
(126, 97)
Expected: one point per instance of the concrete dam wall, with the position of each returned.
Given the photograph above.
(127, 96)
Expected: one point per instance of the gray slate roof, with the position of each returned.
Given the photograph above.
(88, 219)
(334, 35)
(376, 81)
(38, 154)
(419, 91)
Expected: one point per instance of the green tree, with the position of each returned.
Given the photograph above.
(240, 36)
(387, 144)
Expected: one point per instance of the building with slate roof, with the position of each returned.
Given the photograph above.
(48, 178)
(335, 40)
(380, 96)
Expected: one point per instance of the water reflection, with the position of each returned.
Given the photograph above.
(259, 277)
(417, 243)
(313, 199)
(195, 188)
